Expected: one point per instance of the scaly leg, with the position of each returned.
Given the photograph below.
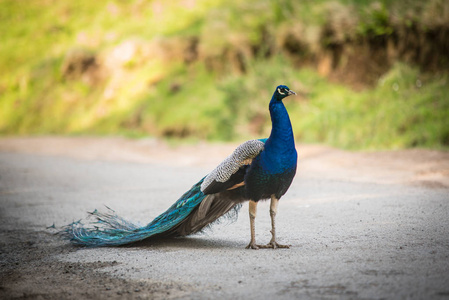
(252, 218)
(273, 210)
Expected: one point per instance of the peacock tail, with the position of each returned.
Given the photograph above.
(109, 229)
(191, 213)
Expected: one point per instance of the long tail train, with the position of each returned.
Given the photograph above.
(190, 214)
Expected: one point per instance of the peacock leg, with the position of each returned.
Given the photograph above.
(273, 210)
(252, 218)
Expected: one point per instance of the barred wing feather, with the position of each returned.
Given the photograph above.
(231, 171)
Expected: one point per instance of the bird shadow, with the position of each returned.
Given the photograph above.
(185, 243)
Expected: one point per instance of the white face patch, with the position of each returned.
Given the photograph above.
(279, 91)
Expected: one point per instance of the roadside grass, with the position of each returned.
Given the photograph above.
(405, 109)
(171, 99)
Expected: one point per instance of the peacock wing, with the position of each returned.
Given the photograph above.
(231, 171)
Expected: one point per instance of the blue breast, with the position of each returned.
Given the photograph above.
(273, 170)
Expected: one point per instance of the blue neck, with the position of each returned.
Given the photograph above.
(281, 139)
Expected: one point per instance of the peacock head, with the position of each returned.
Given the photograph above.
(282, 91)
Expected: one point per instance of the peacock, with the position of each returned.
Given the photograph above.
(257, 170)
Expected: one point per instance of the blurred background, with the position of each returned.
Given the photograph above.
(369, 74)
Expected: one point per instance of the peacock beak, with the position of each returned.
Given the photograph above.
(290, 92)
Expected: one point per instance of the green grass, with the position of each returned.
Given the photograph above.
(170, 98)
(406, 109)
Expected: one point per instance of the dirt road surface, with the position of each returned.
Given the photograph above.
(370, 225)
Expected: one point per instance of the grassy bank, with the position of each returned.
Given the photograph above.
(206, 69)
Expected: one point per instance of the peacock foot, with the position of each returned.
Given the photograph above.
(273, 245)
(252, 245)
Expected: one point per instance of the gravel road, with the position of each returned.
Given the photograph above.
(362, 225)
